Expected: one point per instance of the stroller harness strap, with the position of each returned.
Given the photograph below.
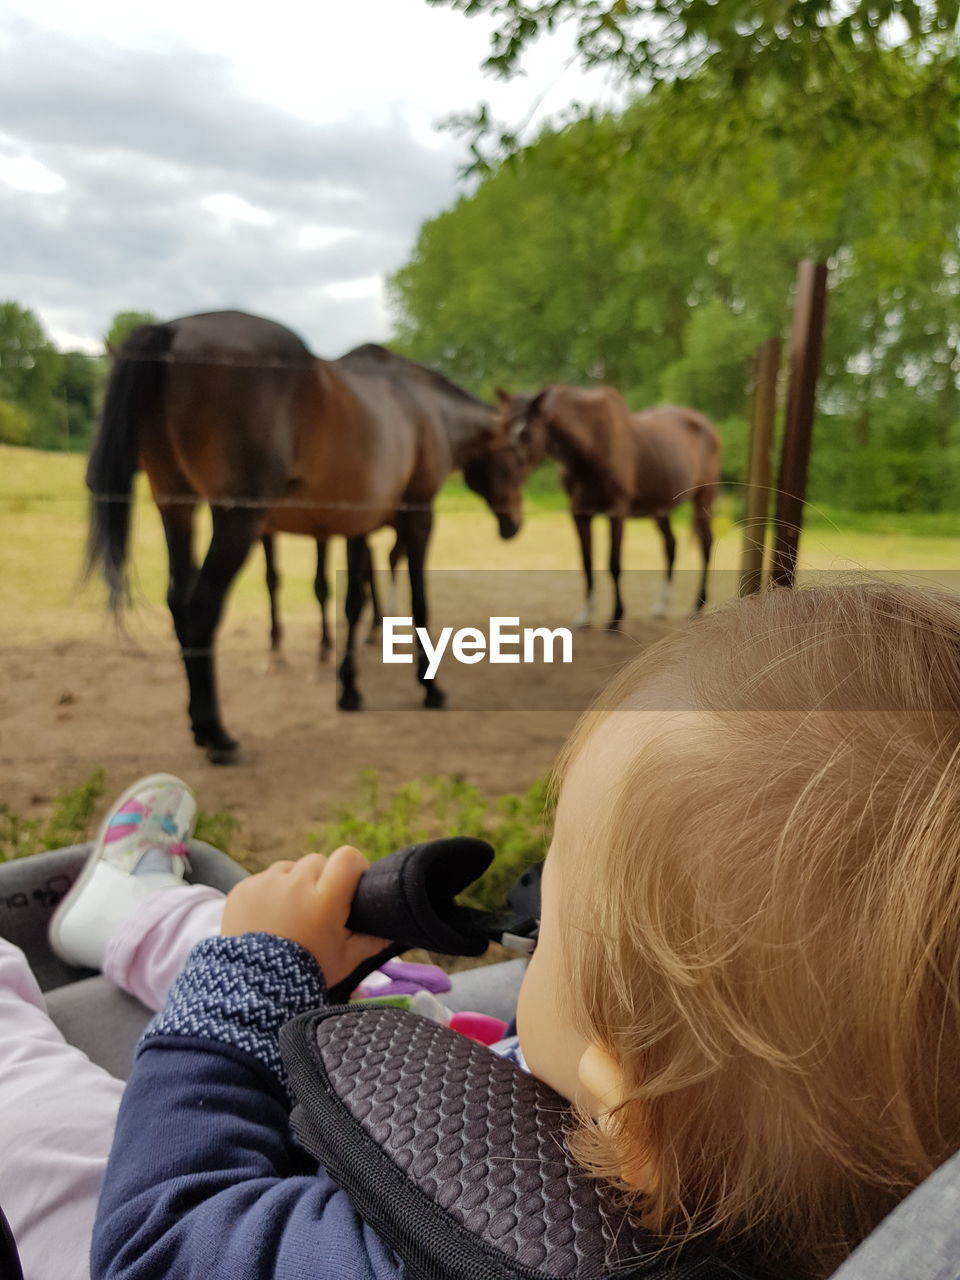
(458, 1159)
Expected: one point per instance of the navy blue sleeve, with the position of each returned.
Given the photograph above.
(204, 1181)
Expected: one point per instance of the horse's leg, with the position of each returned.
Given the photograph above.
(616, 542)
(582, 522)
(276, 659)
(396, 555)
(414, 530)
(377, 621)
(235, 529)
(662, 606)
(702, 501)
(321, 590)
(178, 531)
(358, 561)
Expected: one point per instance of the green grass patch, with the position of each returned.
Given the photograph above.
(219, 828)
(67, 824)
(517, 825)
(71, 822)
(541, 492)
(917, 524)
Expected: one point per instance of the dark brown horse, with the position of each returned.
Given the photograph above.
(234, 410)
(495, 474)
(619, 464)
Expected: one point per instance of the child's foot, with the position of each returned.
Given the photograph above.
(140, 850)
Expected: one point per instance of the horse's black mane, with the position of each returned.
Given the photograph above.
(374, 353)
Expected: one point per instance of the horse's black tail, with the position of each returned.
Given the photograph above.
(134, 393)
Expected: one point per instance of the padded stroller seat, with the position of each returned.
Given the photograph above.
(90, 1012)
(920, 1240)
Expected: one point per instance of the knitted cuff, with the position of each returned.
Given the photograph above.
(240, 991)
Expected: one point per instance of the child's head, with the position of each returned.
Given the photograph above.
(749, 967)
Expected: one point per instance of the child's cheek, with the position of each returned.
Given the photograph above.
(551, 1047)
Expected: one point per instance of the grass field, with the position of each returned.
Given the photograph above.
(43, 529)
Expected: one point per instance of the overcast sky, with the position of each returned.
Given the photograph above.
(187, 155)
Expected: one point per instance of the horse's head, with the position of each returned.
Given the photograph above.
(497, 475)
(523, 424)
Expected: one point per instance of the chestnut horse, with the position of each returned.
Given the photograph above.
(619, 464)
(234, 410)
(495, 474)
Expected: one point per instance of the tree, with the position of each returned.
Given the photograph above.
(78, 391)
(619, 249)
(665, 39)
(830, 59)
(49, 398)
(122, 325)
(29, 369)
(14, 424)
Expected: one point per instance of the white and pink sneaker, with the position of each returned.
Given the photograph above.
(141, 849)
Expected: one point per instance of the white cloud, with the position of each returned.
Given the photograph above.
(24, 173)
(191, 156)
(230, 207)
(366, 287)
(313, 236)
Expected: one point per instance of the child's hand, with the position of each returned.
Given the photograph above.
(308, 902)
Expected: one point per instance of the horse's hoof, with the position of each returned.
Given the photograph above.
(275, 664)
(614, 626)
(219, 746)
(325, 654)
(434, 699)
(350, 700)
(210, 739)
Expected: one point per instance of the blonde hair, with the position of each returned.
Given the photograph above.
(768, 939)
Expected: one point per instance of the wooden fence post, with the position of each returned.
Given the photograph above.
(762, 422)
(806, 344)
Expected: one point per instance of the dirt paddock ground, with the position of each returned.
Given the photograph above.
(77, 704)
(75, 695)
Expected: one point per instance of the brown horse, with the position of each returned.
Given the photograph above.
(496, 475)
(234, 410)
(619, 464)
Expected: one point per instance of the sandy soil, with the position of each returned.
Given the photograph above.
(73, 704)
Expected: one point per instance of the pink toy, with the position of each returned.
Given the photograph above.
(478, 1026)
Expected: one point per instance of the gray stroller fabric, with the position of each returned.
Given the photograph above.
(106, 1023)
(920, 1240)
(458, 1159)
(100, 1021)
(90, 1012)
(31, 888)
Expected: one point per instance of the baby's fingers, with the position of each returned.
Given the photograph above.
(336, 882)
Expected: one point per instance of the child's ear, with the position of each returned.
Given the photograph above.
(602, 1080)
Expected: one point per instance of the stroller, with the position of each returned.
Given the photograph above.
(410, 896)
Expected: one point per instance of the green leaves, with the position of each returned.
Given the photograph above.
(123, 324)
(654, 249)
(517, 825)
(830, 60)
